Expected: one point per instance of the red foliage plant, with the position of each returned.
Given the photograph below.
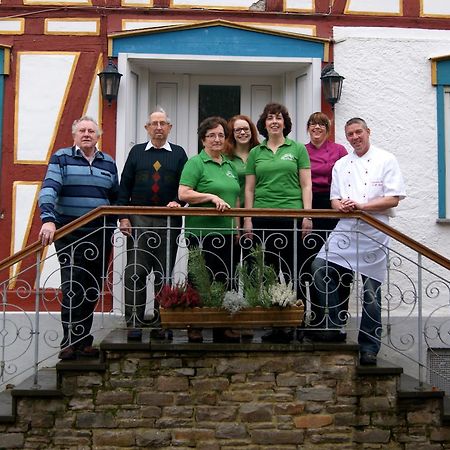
(182, 294)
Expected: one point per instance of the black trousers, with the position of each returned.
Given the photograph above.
(152, 247)
(277, 236)
(218, 251)
(83, 257)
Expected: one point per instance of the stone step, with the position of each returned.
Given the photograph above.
(446, 410)
(381, 368)
(46, 387)
(411, 388)
(7, 407)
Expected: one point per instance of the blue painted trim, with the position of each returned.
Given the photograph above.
(218, 40)
(443, 80)
(442, 182)
(443, 72)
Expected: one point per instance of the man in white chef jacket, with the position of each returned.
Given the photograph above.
(367, 179)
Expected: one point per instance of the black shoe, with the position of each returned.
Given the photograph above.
(160, 334)
(88, 352)
(327, 336)
(368, 359)
(247, 335)
(134, 334)
(195, 335)
(225, 335)
(278, 336)
(67, 354)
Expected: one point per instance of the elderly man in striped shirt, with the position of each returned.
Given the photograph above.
(79, 179)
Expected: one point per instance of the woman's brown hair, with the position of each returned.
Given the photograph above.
(230, 143)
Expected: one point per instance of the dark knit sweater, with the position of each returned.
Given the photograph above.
(151, 177)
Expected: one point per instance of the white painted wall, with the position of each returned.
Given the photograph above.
(388, 82)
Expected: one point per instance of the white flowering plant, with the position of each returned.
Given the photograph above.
(234, 301)
(282, 294)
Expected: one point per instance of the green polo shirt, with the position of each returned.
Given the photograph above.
(240, 167)
(277, 183)
(204, 175)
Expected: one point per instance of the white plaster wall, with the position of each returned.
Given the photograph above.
(388, 82)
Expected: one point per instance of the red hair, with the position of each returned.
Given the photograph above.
(230, 143)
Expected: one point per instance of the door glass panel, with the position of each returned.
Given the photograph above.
(215, 100)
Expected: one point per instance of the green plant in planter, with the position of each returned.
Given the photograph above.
(256, 279)
(211, 292)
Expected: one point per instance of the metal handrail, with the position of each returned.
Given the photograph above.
(431, 285)
(233, 212)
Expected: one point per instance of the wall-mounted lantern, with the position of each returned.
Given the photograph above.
(331, 85)
(109, 81)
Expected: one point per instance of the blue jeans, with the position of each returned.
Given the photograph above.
(332, 283)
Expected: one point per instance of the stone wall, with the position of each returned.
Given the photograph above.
(280, 398)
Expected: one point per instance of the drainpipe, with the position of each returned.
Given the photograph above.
(2, 92)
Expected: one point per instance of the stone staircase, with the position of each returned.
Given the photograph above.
(161, 395)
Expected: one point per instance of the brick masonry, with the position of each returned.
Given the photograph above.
(213, 400)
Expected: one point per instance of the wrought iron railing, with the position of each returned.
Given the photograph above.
(415, 295)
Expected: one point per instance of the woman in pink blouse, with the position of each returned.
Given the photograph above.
(322, 154)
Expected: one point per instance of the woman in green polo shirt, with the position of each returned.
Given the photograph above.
(209, 180)
(278, 175)
(242, 137)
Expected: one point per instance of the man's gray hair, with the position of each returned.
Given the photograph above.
(88, 119)
(356, 120)
(158, 109)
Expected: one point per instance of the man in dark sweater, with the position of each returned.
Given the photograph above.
(150, 178)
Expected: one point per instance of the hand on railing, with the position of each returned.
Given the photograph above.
(248, 227)
(221, 205)
(173, 205)
(307, 225)
(125, 226)
(47, 233)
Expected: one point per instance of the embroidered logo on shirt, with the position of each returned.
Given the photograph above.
(230, 174)
(288, 157)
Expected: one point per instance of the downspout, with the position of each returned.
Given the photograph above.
(2, 89)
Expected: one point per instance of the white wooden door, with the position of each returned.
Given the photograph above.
(179, 96)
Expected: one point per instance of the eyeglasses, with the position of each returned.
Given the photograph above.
(157, 123)
(241, 130)
(215, 136)
(314, 125)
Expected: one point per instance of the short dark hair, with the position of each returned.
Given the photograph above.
(319, 118)
(209, 123)
(356, 120)
(274, 108)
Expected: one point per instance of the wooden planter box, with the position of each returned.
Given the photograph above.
(220, 318)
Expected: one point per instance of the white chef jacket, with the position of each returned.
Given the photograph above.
(353, 244)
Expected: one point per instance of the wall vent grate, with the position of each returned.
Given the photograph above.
(438, 360)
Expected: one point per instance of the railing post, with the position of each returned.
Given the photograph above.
(295, 250)
(3, 335)
(36, 332)
(420, 319)
(104, 276)
(359, 300)
(388, 296)
(167, 273)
